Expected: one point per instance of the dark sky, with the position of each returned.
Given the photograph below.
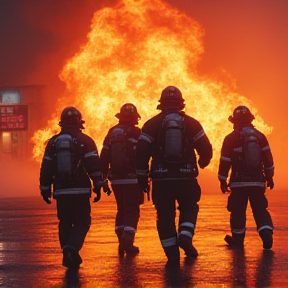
(248, 38)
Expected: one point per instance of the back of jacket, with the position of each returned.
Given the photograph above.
(149, 145)
(232, 157)
(119, 152)
(88, 166)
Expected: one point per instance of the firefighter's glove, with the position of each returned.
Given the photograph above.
(106, 188)
(46, 195)
(203, 162)
(97, 191)
(224, 187)
(270, 183)
(143, 183)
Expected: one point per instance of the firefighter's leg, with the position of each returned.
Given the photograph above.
(65, 221)
(186, 232)
(163, 198)
(237, 238)
(259, 205)
(80, 213)
(82, 222)
(133, 199)
(71, 258)
(119, 219)
(188, 197)
(64, 230)
(237, 205)
(119, 232)
(266, 233)
(171, 249)
(127, 241)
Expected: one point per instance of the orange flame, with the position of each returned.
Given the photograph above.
(124, 62)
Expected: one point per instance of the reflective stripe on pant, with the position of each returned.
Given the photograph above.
(187, 229)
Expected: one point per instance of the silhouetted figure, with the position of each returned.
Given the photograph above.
(247, 153)
(69, 164)
(118, 165)
(171, 139)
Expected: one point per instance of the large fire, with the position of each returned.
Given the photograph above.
(134, 51)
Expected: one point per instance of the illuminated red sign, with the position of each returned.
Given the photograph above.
(13, 117)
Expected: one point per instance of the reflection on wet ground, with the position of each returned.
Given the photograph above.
(30, 255)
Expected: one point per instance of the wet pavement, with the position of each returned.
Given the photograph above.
(30, 255)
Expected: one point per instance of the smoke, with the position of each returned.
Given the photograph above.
(18, 178)
(37, 37)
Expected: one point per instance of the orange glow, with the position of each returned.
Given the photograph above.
(124, 62)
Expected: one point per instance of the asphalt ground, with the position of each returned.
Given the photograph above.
(30, 255)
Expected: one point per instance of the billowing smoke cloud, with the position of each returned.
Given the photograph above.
(18, 179)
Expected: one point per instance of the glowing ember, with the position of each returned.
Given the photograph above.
(124, 62)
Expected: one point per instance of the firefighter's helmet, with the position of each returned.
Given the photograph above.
(241, 114)
(128, 111)
(170, 96)
(71, 117)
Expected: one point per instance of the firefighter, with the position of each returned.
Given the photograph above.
(252, 169)
(118, 165)
(171, 139)
(69, 164)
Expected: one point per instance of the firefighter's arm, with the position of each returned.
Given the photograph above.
(203, 148)
(204, 151)
(90, 157)
(223, 175)
(99, 179)
(105, 159)
(224, 167)
(143, 154)
(268, 165)
(98, 173)
(46, 175)
(92, 165)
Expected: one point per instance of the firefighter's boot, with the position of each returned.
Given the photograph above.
(119, 233)
(185, 243)
(172, 253)
(127, 241)
(267, 238)
(236, 240)
(71, 258)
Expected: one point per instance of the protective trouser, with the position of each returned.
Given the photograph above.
(128, 197)
(237, 206)
(73, 212)
(165, 193)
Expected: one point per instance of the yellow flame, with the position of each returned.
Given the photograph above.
(134, 51)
